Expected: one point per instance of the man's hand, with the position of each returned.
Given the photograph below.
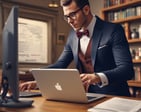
(27, 85)
(88, 79)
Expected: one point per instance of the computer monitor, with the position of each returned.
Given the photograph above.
(10, 77)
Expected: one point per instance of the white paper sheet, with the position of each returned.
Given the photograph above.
(117, 105)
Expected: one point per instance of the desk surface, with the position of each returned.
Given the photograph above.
(42, 105)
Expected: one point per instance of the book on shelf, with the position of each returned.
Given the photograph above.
(124, 13)
(138, 10)
(137, 71)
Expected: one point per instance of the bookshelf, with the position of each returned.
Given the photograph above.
(120, 13)
(128, 14)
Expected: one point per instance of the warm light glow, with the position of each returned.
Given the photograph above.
(53, 4)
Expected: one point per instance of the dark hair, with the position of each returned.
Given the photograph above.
(79, 3)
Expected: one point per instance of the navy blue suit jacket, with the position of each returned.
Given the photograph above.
(110, 55)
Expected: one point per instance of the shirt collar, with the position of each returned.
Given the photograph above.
(91, 26)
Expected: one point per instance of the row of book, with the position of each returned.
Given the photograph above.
(126, 13)
(137, 71)
(108, 3)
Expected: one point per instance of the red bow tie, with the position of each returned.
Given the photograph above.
(80, 34)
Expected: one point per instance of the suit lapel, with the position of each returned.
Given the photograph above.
(97, 34)
(75, 48)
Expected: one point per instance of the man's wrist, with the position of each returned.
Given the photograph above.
(98, 79)
(103, 78)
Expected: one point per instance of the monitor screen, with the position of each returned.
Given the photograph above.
(9, 52)
(10, 76)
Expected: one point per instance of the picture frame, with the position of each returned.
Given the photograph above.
(33, 41)
(60, 38)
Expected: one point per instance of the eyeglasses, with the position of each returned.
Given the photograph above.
(72, 15)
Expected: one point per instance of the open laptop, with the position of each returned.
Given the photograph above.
(63, 85)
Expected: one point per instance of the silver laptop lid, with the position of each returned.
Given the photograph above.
(60, 84)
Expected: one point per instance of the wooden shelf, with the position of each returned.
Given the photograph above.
(134, 83)
(122, 6)
(137, 61)
(134, 40)
(129, 19)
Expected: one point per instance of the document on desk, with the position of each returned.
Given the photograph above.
(117, 105)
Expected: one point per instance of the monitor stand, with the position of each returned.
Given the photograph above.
(9, 102)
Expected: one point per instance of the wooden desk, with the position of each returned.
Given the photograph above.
(42, 105)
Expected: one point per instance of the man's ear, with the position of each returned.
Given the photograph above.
(86, 9)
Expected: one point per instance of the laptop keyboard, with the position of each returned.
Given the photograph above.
(29, 94)
(90, 97)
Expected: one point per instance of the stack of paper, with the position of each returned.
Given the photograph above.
(117, 105)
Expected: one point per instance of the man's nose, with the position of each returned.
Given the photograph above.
(70, 20)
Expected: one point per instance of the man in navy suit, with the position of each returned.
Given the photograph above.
(99, 49)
